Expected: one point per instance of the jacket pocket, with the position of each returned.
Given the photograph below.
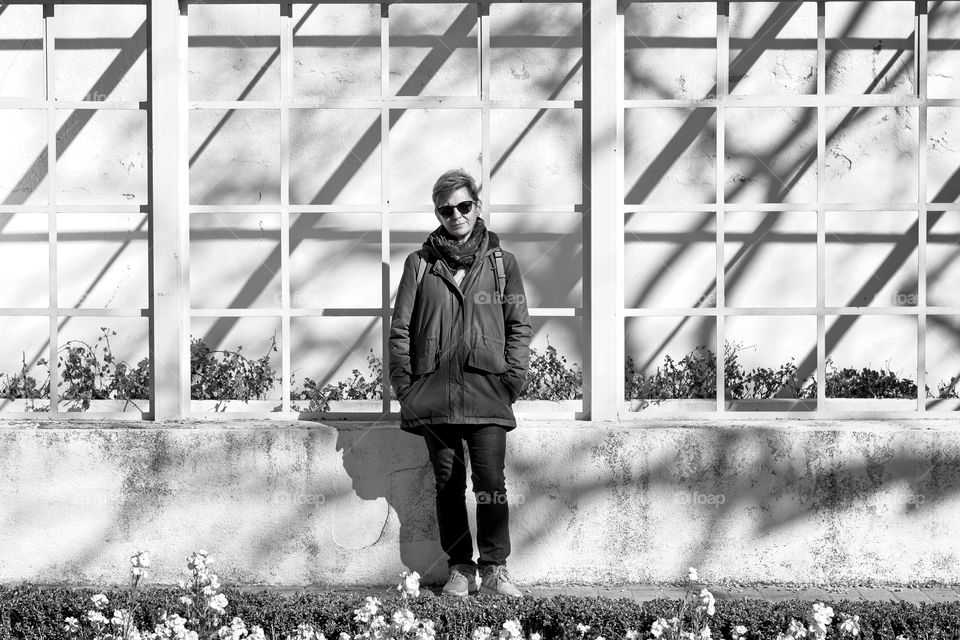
(424, 359)
(486, 354)
(507, 383)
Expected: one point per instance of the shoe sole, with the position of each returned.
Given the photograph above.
(460, 594)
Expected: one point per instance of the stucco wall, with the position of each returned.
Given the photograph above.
(296, 504)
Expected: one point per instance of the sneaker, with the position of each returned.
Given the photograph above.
(494, 580)
(462, 581)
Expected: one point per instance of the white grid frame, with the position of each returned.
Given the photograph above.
(386, 103)
(54, 313)
(821, 101)
(175, 402)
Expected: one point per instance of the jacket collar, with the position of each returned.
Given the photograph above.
(492, 241)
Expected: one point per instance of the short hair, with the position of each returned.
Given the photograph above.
(452, 180)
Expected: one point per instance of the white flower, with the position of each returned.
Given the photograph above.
(186, 600)
(822, 613)
(199, 561)
(121, 617)
(71, 624)
(706, 602)
(794, 632)
(705, 633)
(658, 627)
(481, 633)
(139, 561)
(95, 617)
(175, 621)
(369, 609)
(536, 636)
(344, 636)
(218, 603)
(902, 637)
(213, 584)
(304, 632)
(692, 575)
(409, 584)
(236, 630)
(404, 620)
(820, 619)
(256, 633)
(851, 626)
(739, 632)
(631, 635)
(378, 626)
(511, 630)
(99, 600)
(583, 628)
(427, 631)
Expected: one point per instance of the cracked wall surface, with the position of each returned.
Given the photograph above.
(279, 503)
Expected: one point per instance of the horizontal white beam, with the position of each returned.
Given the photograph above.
(72, 311)
(787, 311)
(39, 103)
(392, 102)
(850, 101)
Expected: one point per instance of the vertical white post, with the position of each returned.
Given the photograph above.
(286, 91)
(483, 32)
(821, 210)
(920, 51)
(604, 225)
(166, 232)
(386, 224)
(50, 51)
(723, 88)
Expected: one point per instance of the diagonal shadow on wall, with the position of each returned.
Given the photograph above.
(742, 257)
(130, 50)
(362, 149)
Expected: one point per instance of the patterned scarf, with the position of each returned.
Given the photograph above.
(457, 255)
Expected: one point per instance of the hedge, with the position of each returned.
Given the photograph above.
(34, 613)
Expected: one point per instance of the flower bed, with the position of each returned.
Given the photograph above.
(31, 613)
(202, 609)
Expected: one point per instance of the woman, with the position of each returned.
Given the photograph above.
(459, 353)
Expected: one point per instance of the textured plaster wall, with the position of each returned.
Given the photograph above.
(285, 504)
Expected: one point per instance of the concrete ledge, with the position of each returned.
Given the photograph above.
(299, 503)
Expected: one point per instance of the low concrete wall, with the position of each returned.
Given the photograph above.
(334, 504)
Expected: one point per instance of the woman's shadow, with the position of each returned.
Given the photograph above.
(394, 466)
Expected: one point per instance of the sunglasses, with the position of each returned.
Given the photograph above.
(464, 208)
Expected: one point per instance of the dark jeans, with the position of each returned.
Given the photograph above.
(486, 444)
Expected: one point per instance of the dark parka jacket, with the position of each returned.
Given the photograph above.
(457, 354)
